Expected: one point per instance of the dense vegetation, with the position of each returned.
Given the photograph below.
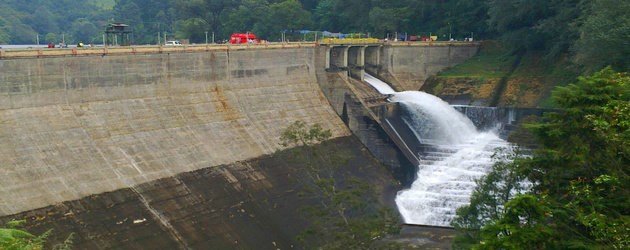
(578, 195)
(21, 21)
(14, 238)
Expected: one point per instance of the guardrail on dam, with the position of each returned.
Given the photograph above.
(80, 122)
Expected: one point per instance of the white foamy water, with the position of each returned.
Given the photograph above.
(434, 119)
(455, 155)
(379, 85)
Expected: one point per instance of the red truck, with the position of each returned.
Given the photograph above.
(241, 38)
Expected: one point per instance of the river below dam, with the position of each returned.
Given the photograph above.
(455, 154)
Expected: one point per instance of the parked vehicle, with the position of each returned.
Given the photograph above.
(241, 38)
(173, 43)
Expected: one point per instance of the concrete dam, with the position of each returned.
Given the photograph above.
(170, 147)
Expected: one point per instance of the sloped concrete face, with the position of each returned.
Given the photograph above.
(76, 126)
(254, 204)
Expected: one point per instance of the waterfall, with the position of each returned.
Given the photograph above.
(454, 155)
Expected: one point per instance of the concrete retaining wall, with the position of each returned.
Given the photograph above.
(408, 67)
(75, 126)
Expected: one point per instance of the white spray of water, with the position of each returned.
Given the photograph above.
(456, 154)
(434, 119)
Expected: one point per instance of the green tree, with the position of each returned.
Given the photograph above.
(84, 30)
(347, 214)
(4, 33)
(517, 20)
(12, 237)
(44, 21)
(192, 28)
(249, 17)
(327, 15)
(522, 225)
(51, 38)
(287, 15)
(384, 21)
(579, 197)
(488, 199)
(603, 38)
(22, 33)
(297, 134)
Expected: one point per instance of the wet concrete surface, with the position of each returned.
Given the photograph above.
(247, 205)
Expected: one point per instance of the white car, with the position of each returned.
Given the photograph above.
(173, 43)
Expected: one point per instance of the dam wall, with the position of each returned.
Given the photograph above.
(74, 126)
(408, 67)
(179, 147)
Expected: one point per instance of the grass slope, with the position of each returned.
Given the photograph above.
(493, 61)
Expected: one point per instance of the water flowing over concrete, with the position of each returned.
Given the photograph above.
(455, 154)
(433, 119)
(379, 85)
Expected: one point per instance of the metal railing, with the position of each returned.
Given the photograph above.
(349, 41)
(153, 49)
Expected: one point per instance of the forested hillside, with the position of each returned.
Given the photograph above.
(21, 21)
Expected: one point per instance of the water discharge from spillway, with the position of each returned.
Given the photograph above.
(454, 155)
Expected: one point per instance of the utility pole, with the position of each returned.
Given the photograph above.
(37, 39)
(159, 42)
(206, 37)
(212, 37)
(450, 37)
(158, 28)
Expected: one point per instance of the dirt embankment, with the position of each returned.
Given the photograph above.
(464, 90)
